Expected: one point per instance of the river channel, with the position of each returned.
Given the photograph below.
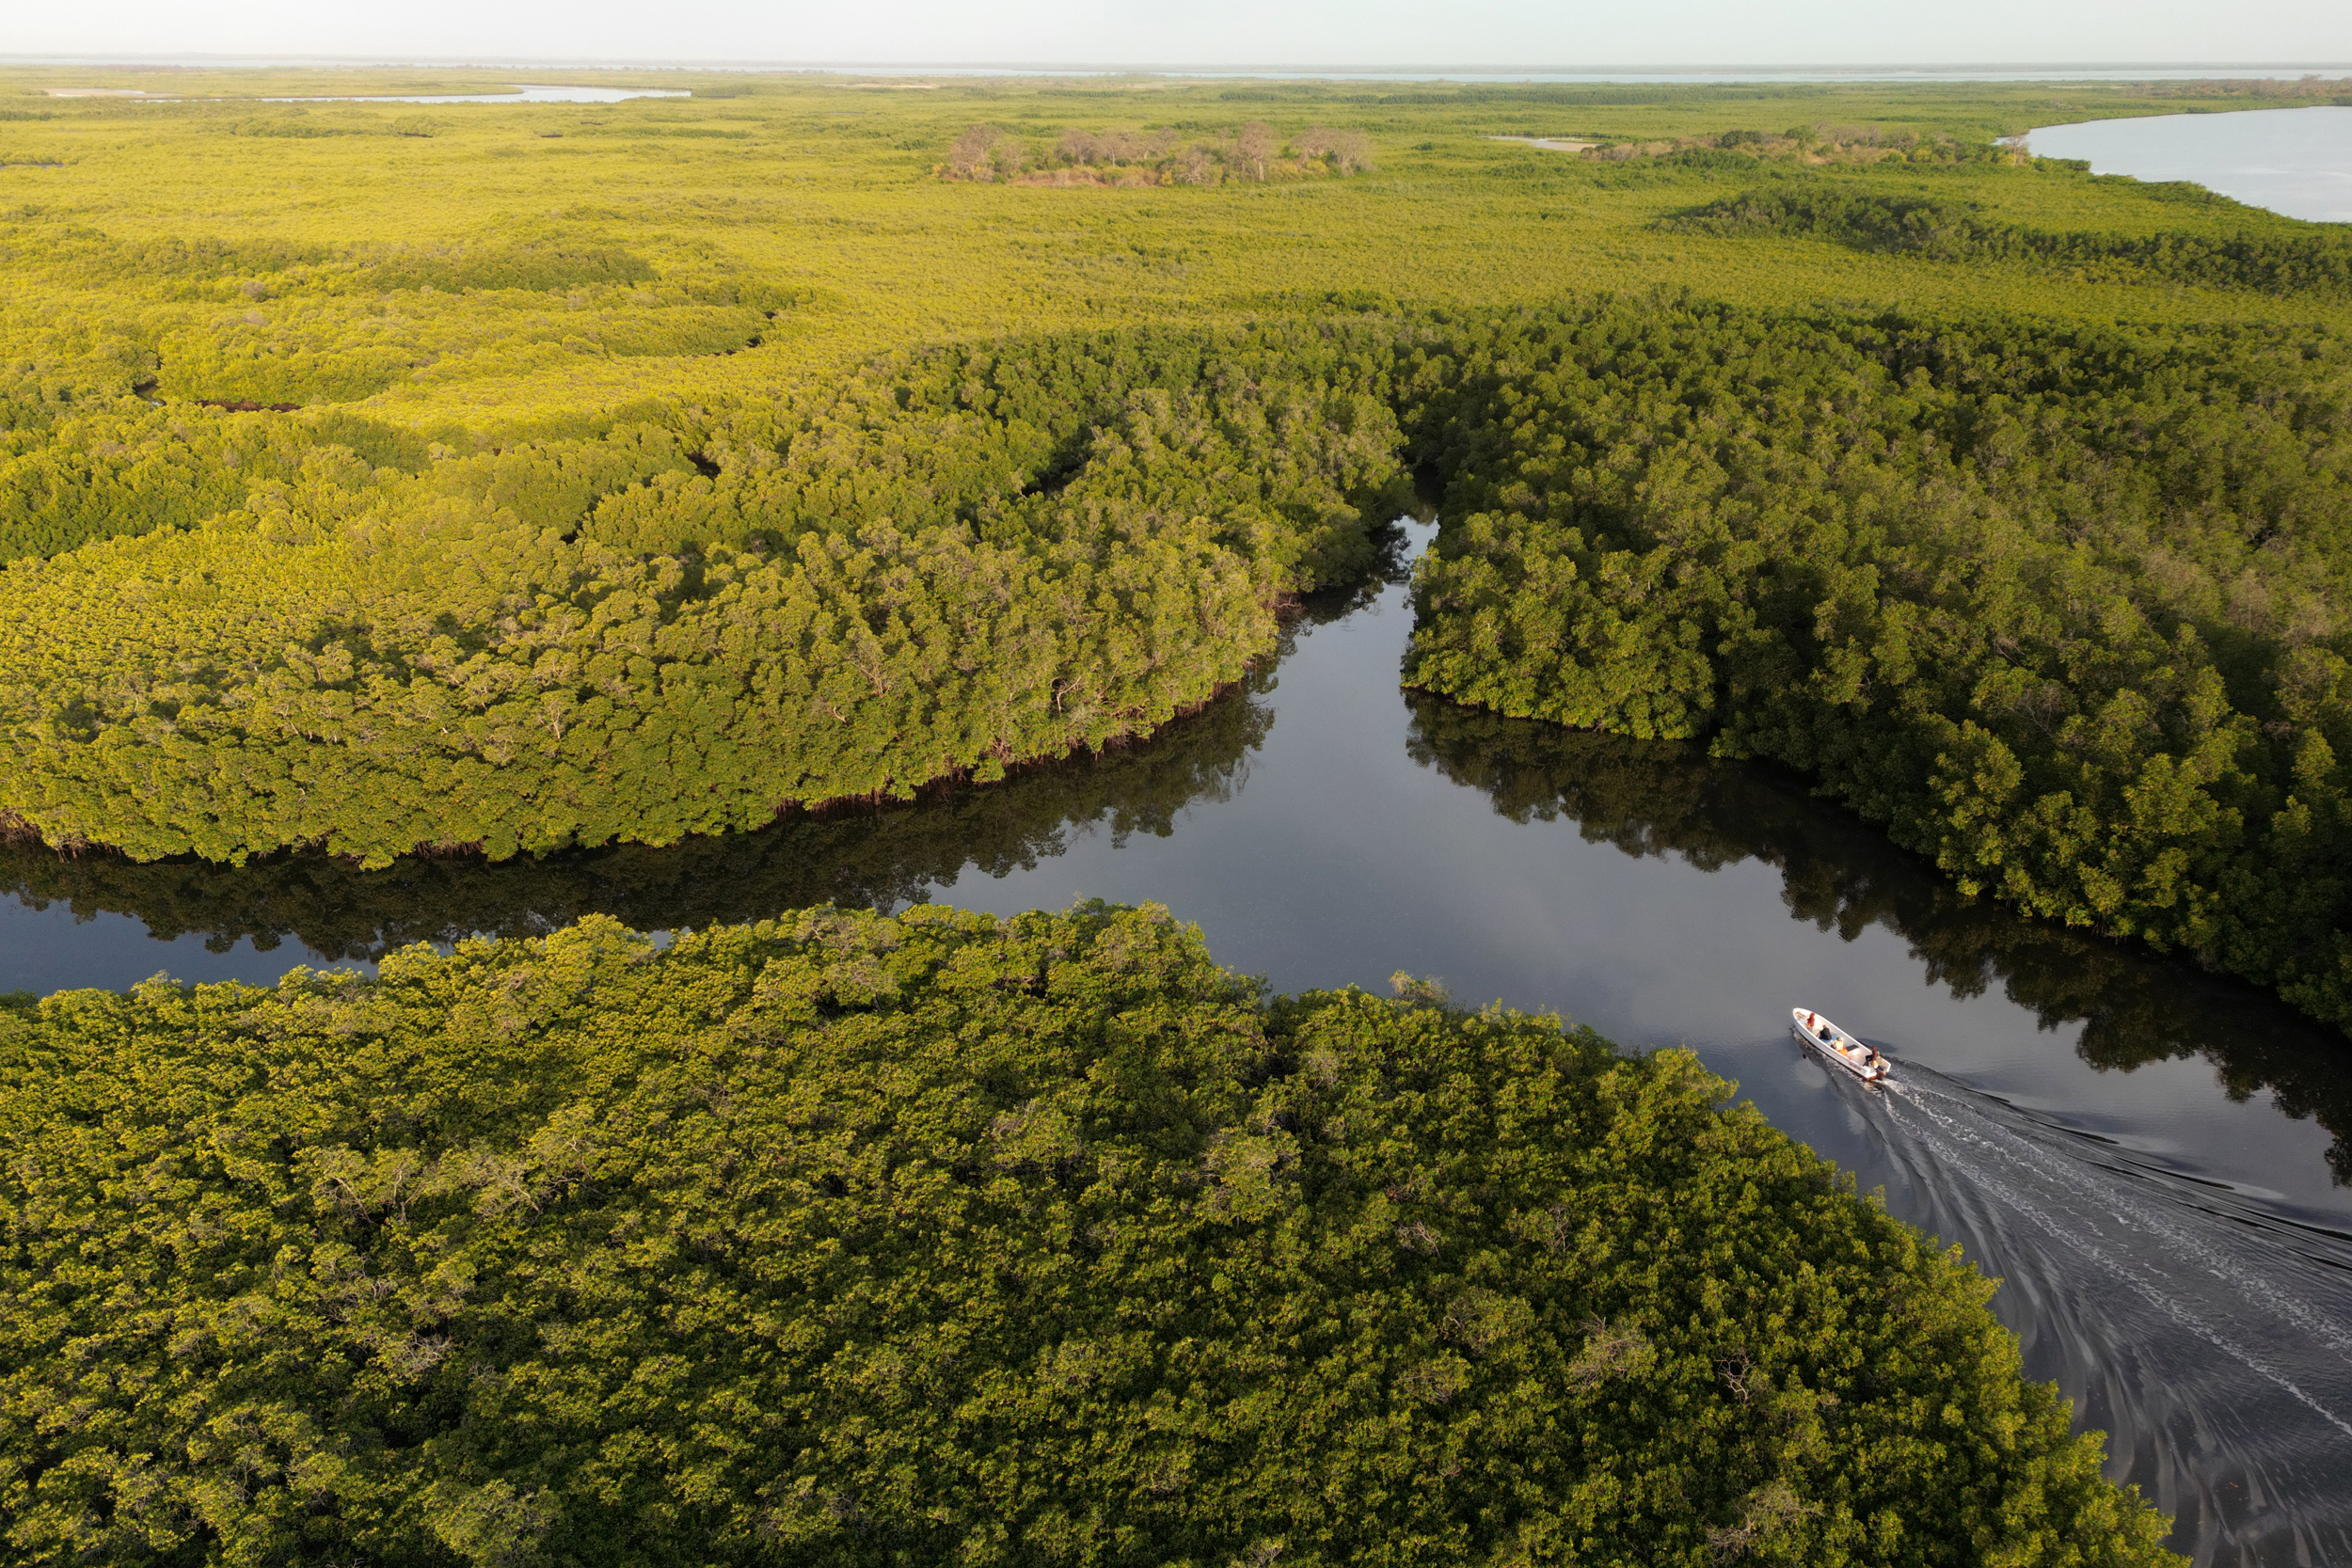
(2155, 1161)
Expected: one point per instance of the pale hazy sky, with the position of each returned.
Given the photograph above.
(1521, 34)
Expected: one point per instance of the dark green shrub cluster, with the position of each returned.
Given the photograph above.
(952, 563)
(126, 468)
(94, 259)
(1741, 151)
(2062, 608)
(845, 1239)
(855, 857)
(1944, 229)
(109, 473)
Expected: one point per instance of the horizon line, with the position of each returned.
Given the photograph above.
(256, 61)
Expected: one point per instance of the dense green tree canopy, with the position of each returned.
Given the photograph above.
(850, 1240)
(953, 562)
(685, 462)
(856, 856)
(2062, 607)
(2317, 262)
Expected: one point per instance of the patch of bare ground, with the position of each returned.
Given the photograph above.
(1550, 144)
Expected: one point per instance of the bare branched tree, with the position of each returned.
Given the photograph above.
(968, 158)
(1350, 152)
(986, 152)
(1192, 165)
(1254, 148)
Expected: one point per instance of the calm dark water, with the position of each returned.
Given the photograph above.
(2292, 161)
(2151, 1159)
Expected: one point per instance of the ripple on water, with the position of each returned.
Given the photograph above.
(2148, 1157)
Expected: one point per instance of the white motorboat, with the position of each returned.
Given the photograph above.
(1836, 1047)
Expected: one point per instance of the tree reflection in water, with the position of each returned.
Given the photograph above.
(1653, 797)
(882, 856)
(1642, 797)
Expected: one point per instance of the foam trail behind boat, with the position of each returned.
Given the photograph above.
(2232, 1331)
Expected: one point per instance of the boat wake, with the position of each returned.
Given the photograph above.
(2207, 1332)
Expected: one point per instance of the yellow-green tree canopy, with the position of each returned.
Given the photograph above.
(852, 1240)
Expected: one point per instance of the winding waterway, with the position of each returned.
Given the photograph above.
(2152, 1160)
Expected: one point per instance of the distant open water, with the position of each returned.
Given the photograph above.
(2298, 162)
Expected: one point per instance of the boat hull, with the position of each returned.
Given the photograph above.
(1839, 1048)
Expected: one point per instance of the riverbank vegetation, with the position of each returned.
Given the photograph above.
(1839, 873)
(492, 480)
(2058, 605)
(943, 1237)
(857, 856)
(748, 467)
(963, 560)
(2318, 260)
(1810, 146)
(1642, 797)
(2061, 607)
